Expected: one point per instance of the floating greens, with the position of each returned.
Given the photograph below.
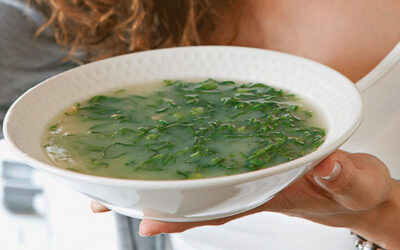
(183, 130)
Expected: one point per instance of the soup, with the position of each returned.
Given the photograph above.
(183, 130)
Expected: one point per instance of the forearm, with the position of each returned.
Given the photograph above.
(382, 224)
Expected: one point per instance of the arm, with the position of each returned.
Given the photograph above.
(382, 224)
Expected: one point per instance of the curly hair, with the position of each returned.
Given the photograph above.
(105, 28)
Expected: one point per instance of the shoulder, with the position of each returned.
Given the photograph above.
(20, 8)
(19, 47)
(18, 22)
(16, 16)
(25, 59)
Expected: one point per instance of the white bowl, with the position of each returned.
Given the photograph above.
(186, 200)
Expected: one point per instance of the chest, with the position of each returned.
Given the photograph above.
(351, 37)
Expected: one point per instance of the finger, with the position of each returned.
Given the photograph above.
(154, 227)
(302, 198)
(97, 207)
(357, 182)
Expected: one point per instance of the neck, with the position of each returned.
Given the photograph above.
(346, 36)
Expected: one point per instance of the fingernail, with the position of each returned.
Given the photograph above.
(142, 231)
(145, 233)
(97, 207)
(335, 172)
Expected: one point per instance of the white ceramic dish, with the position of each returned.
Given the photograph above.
(186, 200)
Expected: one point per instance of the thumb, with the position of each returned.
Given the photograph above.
(354, 187)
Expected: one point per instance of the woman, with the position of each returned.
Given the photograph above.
(352, 190)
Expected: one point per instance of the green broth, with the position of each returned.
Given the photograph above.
(183, 130)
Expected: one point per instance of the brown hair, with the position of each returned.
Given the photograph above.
(104, 28)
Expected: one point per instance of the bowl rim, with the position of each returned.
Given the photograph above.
(191, 183)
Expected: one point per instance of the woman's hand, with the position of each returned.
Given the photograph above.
(345, 190)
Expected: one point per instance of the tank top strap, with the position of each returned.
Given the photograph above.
(384, 66)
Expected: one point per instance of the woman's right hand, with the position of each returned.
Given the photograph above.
(345, 190)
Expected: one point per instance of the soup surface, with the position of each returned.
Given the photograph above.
(183, 130)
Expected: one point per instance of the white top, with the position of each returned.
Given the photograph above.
(378, 135)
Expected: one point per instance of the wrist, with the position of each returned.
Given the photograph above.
(379, 224)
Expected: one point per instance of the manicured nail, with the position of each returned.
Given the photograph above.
(144, 232)
(97, 207)
(335, 172)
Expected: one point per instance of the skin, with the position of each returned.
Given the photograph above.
(351, 37)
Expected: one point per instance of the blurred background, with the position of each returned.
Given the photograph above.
(38, 213)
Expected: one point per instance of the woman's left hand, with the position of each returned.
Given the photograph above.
(344, 190)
